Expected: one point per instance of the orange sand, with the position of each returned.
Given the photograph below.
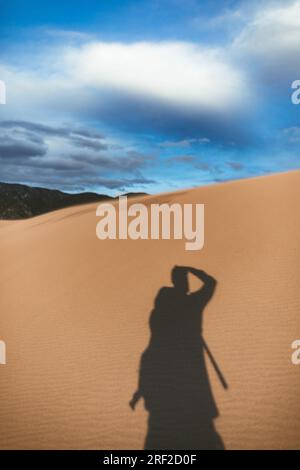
(75, 312)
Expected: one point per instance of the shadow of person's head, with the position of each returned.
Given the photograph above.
(180, 279)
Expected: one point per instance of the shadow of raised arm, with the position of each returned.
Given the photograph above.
(205, 293)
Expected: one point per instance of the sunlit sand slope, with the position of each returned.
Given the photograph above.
(75, 318)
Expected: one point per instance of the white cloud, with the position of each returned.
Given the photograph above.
(225, 20)
(271, 40)
(207, 84)
(273, 29)
(181, 74)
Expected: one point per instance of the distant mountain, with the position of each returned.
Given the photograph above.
(18, 201)
(135, 194)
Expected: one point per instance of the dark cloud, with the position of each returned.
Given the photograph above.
(131, 113)
(190, 159)
(235, 165)
(205, 166)
(185, 143)
(76, 136)
(212, 167)
(130, 161)
(57, 164)
(94, 144)
(58, 131)
(26, 158)
(51, 179)
(123, 184)
(14, 148)
(195, 161)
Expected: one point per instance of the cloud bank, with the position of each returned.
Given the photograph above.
(177, 95)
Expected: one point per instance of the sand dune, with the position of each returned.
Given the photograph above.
(75, 313)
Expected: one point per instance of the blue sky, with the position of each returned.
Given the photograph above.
(154, 95)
